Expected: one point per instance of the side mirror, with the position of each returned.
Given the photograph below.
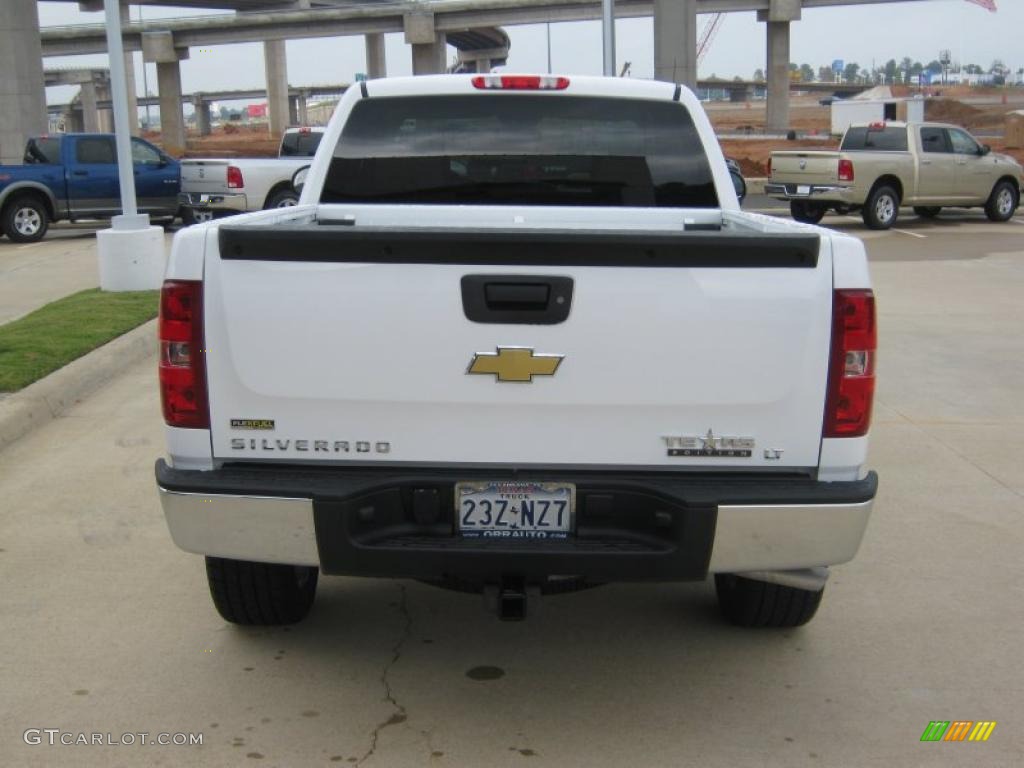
(985, 149)
(299, 179)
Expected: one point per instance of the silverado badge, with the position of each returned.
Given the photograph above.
(514, 364)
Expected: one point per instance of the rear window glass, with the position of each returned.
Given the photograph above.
(44, 150)
(514, 149)
(300, 144)
(877, 139)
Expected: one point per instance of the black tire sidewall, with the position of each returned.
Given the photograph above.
(7, 221)
(990, 207)
(806, 212)
(274, 201)
(870, 219)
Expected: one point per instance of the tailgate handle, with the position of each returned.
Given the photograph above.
(522, 296)
(517, 299)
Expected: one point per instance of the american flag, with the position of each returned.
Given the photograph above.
(990, 4)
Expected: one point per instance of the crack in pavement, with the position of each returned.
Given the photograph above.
(399, 715)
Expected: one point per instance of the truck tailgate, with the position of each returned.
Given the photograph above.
(203, 176)
(805, 167)
(704, 350)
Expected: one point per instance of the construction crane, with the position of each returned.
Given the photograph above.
(708, 35)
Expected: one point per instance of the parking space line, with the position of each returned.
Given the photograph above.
(1017, 221)
(912, 234)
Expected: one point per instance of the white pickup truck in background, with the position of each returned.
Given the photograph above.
(221, 186)
(517, 336)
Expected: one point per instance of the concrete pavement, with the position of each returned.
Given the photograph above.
(108, 628)
(34, 274)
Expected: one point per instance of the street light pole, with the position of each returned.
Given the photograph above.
(608, 32)
(130, 254)
(122, 131)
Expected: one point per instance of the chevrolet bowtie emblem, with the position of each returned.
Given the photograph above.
(514, 364)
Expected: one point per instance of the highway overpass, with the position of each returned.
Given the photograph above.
(427, 26)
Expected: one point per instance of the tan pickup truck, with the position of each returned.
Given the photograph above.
(881, 166)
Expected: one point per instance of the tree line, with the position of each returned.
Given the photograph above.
(905, 72)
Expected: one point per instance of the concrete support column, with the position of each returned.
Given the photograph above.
(430, 58)
(275, 60)
(204, 117)
(74, 121)
(777, 118)
(129, 74)
(483, 65)
(22, 90)
(159, 47)
(376, 59)
(301, 108)
(675, 41)
(90, 113)
(429, 47)
(777, 18)
(172, 121)
(106, 116)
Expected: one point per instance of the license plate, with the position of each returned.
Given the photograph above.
(803, 189)
(515, 509)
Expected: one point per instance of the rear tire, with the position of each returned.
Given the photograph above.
(928, 212)
(284, 198)
(750, 603)
(1003, 202)
(260, 593)
(882, 208)
(25, 219)
(190, 216)
(808, 213)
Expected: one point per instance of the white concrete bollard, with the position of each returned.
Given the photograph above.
(131, 259)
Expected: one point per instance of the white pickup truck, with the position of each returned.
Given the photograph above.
(223, 186)
(517, 336)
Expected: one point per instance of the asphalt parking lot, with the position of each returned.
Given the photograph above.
(107, 627)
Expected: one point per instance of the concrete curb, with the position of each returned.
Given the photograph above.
(42, 402)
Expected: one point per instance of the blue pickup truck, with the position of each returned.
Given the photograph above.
(73, 176)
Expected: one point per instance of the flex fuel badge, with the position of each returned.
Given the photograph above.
(252, 424)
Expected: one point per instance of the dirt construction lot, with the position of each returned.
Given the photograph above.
(107, 628)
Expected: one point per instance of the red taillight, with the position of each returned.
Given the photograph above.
(769, 166)
(235, 180)
(182, 356)
(845, 170)
(851, 375)
(521, 82)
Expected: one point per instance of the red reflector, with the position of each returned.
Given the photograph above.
(876, 126)
(305, 130)
(182, 364)
(851, 375)
(769, 165)
(235, 180)
(845, 170)
(521, 82)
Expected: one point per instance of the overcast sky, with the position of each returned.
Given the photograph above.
(860, 33)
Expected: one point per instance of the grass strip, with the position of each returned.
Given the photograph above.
(51, 337)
